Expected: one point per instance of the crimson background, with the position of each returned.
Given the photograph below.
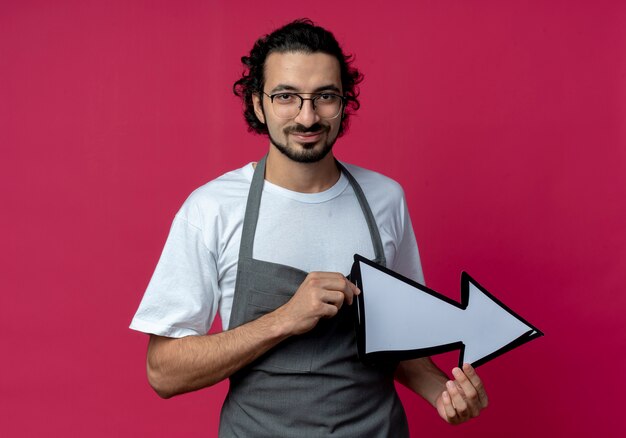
(504, 122)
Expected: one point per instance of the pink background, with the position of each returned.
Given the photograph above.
(504, 122)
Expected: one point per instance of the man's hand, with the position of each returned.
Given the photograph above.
(463, 398)
(181, 365)
(320, 295)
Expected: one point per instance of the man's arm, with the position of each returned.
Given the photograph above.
(456, 400)
(176, 366)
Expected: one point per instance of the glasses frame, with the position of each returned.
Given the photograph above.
(316, 96)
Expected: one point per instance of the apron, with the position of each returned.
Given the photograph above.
(310, 385)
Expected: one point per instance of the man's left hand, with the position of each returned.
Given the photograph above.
(463, 398)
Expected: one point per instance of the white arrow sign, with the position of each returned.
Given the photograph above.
(399, 319)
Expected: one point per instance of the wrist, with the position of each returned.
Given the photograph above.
(277, 326)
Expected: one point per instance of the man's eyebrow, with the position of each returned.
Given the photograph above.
(330, 87)
(286, 87)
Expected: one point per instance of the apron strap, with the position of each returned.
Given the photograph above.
(369, 216)
(252, 210)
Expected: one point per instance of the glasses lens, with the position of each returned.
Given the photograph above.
(328, 106)
(288, 105)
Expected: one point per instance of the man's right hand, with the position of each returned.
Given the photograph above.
(320, 295)
(186, 364)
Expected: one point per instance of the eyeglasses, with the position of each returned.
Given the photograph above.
(288, 105)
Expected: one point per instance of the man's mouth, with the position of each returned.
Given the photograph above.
(310, 134)
(308, 137)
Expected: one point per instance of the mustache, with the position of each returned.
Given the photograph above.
(301, 129)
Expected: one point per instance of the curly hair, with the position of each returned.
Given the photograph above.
(304, 36)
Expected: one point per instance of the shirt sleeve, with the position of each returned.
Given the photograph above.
(183, 296)
(407, 260)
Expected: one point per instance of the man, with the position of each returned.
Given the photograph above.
(268, 244)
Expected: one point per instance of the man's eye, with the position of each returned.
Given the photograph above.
(284, 98)
(326, 97)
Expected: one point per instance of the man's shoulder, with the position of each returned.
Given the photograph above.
(226, 193)
(373, 182)
(223, 188)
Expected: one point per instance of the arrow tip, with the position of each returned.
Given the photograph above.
(495, 321)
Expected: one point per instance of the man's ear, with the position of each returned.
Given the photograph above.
(258, 107)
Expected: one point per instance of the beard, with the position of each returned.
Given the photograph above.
(306, 153)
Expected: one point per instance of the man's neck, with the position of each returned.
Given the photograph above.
(301, 177)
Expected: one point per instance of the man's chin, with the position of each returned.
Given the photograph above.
(308, 152)
(307, 146)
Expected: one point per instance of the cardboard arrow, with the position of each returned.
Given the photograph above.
(398, 319)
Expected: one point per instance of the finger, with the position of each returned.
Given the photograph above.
(334, 281)
(350, 290)
(470, 372)
(329, 310)
(467, 390)
(328, 280)
(459, 403)
(355, 288)
(449, 413)
(326, 275)
(333, 297)
(339, 283)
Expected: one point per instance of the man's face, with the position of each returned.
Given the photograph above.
(305, 138)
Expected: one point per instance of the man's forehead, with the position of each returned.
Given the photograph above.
(302, 71)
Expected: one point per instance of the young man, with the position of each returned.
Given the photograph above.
(268, 244)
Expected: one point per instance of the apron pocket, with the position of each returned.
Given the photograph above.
(293, 354)
(264, 302)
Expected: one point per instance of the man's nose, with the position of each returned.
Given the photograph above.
(307, 115)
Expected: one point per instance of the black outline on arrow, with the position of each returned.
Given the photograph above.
(395, 355)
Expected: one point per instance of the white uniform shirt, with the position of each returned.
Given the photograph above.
(195, 276)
